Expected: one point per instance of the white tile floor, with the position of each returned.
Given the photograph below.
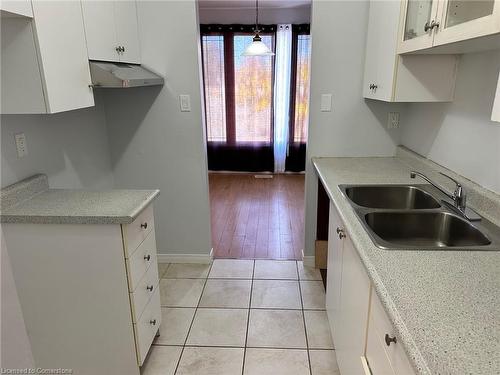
(242, 317)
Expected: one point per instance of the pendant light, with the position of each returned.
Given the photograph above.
(257, 47)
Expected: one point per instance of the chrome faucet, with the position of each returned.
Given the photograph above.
(459, 197)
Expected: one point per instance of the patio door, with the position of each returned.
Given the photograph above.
(238, 99)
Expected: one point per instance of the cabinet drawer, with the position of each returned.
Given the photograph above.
(147, 326)
(141, 260)
(146, 288)
(137, 231)
(382, 326)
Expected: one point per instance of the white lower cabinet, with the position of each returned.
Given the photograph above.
(81, 289)
(358, 322)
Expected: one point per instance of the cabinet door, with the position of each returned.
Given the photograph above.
(100, 30)
(466, 19)
(372, 49)
(63, 55)
(334, 271)
(416, 17)
(381, 49)
(127, 31)
(350, 339)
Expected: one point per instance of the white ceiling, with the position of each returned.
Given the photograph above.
(246, 4)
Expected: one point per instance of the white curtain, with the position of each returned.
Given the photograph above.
(282, 95)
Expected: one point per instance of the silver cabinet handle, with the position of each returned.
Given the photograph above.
(150, 288)
(118, 49)
(147, 257)
(430, 26)
(144, 225)
(152, 322)
(340, 232)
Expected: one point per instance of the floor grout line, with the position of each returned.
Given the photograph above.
(248, 320)
(192, 320)
(305, 327)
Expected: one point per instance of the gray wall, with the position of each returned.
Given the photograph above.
(460, 135)
(355, 127)
(153, 144)
(296, 15)
(70, 147)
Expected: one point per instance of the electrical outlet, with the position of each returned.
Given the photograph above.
(393, 120)
(21, 146)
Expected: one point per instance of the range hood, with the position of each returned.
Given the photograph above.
(120, 75)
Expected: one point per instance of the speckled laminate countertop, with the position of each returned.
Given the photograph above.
(31, 201)
(445, 305)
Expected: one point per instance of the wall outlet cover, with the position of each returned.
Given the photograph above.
(393, 120)
(21, 146)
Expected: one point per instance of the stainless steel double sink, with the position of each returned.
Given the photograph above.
(412, 217)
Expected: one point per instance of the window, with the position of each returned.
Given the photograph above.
(238, 89)
(215, 91)
(301, 121)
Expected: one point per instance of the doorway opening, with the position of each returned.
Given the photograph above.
(256, 116)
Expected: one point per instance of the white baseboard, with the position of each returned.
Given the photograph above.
(185, 258)
(309, 261)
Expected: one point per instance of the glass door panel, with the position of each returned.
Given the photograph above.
(253, 86)
(418, 14)
(460, 11)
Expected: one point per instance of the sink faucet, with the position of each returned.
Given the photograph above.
(458, 196)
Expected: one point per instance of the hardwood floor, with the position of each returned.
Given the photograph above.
(257, 218)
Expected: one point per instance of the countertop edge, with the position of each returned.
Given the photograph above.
(415, 356)
(81, 219)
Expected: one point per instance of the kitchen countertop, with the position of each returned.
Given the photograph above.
(32, 201)
(445, 305)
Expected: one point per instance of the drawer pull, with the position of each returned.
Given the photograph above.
(152, 322)
(340, 232)
(150, 288)
(147, 257)
(389, 339)
(144, 225)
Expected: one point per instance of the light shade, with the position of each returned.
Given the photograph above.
(257, 48)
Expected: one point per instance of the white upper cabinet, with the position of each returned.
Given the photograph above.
(449, 26)
(127, 31)
(44, 60)
(465, 19)
(16, 8)
(112, 31)
(409, 78)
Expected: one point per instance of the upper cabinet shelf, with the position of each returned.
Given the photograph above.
(111, 30)
(449, 26)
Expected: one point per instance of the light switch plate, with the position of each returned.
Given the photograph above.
(393, 120)
(326, 102)
(21, 147)
(185, 102)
